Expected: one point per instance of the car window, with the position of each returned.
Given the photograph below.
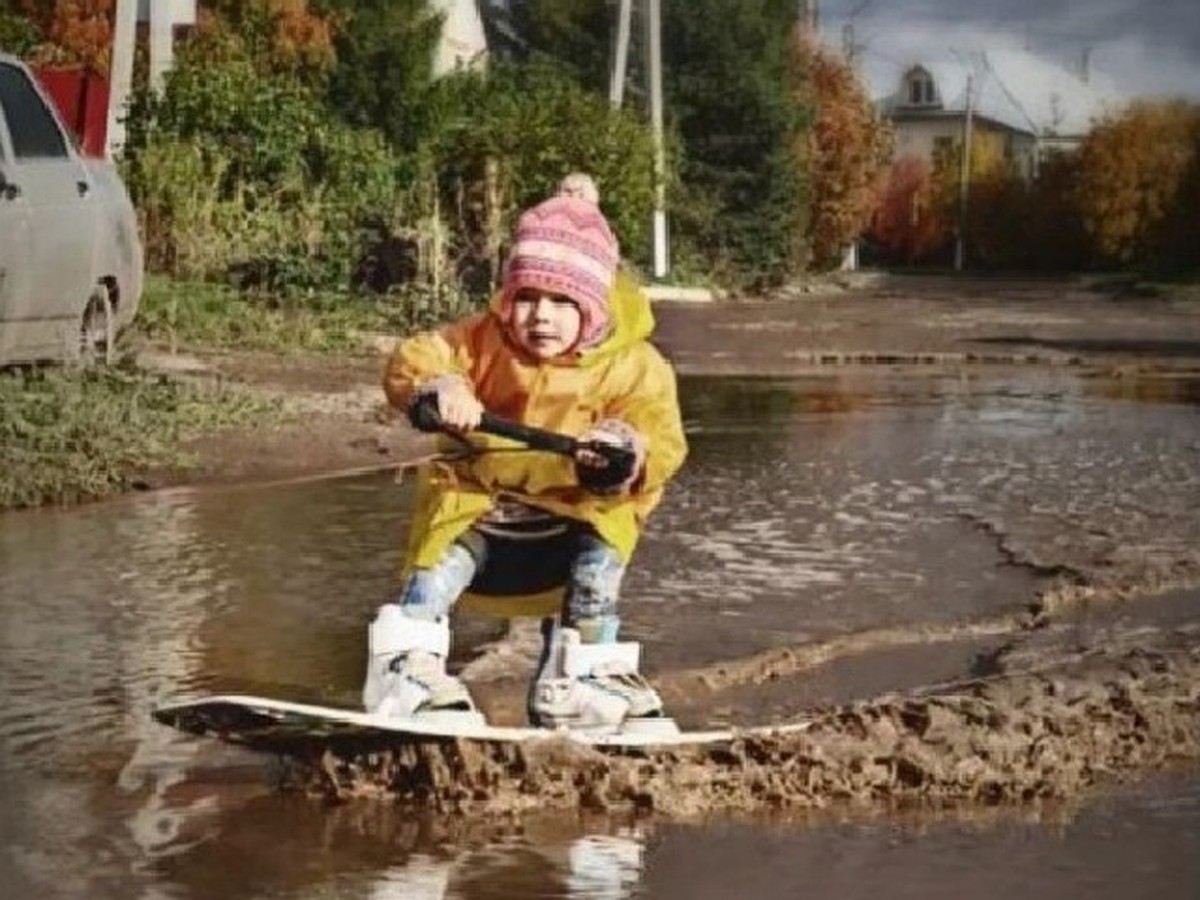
(31, 128)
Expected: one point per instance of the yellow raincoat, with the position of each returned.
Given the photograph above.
(624, 377)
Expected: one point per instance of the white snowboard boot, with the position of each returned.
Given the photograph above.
(596, 687)
(406, 668)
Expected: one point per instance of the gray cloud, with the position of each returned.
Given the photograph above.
(1144, 47)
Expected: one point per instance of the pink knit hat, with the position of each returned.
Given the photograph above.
(564, 246)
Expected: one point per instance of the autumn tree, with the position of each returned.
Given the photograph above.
(1179, 242)
(908, 223)
(285, 35)
(282, 36)
(74, 32)
(1138, 184)
(990, 181)
(844, 153)
(991, 220)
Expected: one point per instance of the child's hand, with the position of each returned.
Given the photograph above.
(606, 472)
(457, 406)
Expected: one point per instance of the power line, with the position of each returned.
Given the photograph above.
(987, 63)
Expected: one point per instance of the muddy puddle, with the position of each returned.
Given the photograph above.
(983, 589)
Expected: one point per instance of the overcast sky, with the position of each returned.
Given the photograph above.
(1145, 48)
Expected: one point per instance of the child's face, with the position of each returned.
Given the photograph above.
(544, 324)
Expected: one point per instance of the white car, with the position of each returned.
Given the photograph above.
(70, 256)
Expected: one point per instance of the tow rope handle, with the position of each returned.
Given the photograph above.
(424, 416)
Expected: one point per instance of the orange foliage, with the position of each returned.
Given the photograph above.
(1137, 181)
(301, 37)
(285, 34)
(78, 32)
(910, 223)
(301, 33)
(844, 152)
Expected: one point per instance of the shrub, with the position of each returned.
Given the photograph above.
(1139, 185)
(504, 142)
(246, 176)
(845, 153)
(728, 83)
(191, 314)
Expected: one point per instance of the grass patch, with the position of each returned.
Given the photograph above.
(68, 435)
(193, 314)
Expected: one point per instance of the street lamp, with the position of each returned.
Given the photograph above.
(652, 24)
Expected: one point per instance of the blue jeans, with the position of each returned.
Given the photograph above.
(592, 587)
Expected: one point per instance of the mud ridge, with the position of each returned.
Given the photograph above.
(689, 686)
(1006, 740)
(1058, 601)
(1066, 598)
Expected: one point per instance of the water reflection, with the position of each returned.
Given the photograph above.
(372, 850)
(1138, 841)
(1183, 390)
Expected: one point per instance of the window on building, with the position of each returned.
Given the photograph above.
(944, 151)
(920, 88)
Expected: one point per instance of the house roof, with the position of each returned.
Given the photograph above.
(1013, 88)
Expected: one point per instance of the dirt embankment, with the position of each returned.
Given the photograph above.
(950, 321)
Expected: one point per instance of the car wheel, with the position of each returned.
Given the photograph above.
(96, 329)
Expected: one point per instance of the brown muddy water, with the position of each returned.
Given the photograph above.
(832, 538)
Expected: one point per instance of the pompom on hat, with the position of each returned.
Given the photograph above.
(580, 184)
(565, 246)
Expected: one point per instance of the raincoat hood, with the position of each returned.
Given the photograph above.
(630, 318)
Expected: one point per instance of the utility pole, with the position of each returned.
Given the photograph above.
(809, 16)
(848, 47)
(616, 84)
(120, 74)
(652, 36)
(654, 76)
(964, 183)
(161, 26)
(162, 16)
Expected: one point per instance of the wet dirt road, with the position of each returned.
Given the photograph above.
(832, 538)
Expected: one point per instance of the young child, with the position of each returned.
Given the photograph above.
(563, 346)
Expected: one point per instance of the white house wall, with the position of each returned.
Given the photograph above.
(463, 41)
(919, 138)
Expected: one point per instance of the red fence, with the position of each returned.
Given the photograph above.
(82, 101)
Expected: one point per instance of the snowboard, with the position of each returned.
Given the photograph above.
(280, 726)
